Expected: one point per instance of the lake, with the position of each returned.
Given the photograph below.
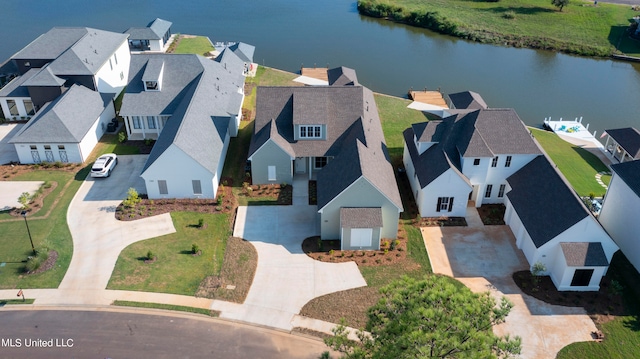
(389, 58)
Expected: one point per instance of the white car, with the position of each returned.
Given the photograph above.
(104, 165)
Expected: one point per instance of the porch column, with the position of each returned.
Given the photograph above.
(155, 120)
(143, 125)
(127, 126)
(310, 168)
(606, 143)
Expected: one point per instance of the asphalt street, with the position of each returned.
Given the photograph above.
(101, 334)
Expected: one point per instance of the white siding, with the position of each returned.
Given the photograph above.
(22, 112)
(448, 184)
(96, 131)
(110, 81)
(72, 149)
(619, 216)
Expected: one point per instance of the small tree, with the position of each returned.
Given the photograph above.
(24, 200)
(150, 255)
(122, 136)
(560, 3)
(133, 198)
(195, 248)
(200, 222)
(536, 272)
(430, 318)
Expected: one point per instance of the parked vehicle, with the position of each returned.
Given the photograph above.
(104, 165)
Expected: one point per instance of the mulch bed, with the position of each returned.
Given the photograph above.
(37, 203)
(441, 222)
(48, 264)
(602, 305)
(282, 195)
(144, 147)
(330, 251)
(313, 193)
(492, 214)
(150, 207)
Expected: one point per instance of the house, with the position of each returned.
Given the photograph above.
(192, 106)
(65, 129)
(620, 208)
(485, 155)
(154, 37)
(553, 227)
(466, 156)
(333, 134)
(623, 144)
(59, 58)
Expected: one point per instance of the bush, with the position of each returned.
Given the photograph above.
(150, 255)
(195, 248)
(148, 141)
(24, 200)
(509, 14)
(200, 223)
(133, 198)
(122, 136)
(33, 263)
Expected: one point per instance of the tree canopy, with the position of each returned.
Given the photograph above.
(560, 3)
(429, 318)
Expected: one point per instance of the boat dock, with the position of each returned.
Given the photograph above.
(318, 73)
(429, 97)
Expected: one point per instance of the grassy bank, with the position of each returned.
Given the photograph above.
(180, 308)
(581, 28)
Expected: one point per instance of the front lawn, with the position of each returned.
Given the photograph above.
(193, 45)
(175, 270)
(578, 165)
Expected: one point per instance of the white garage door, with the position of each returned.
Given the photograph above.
(361, 237)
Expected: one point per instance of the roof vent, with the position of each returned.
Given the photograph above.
(95, 51)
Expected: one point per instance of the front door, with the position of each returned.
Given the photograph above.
(301, 165)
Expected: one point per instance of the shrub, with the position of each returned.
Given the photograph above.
(218, 208)
(148, 141)
(133, 198)
(46, 184)
(24, 200)
(150, 255)
(195, 248)
(509, 14)
(33, 263)
(331, 252)
(200, 222)
(58, 164)
(122, 136)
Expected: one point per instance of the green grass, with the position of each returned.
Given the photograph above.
(109, 144)
(194, 45)
(580, 28)
(395, 118)
(4, 302)
(275, 77)
(175, 270)
(578, 165)
(180, 308)
(629, 46)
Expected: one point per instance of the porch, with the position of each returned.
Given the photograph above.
(308, 166)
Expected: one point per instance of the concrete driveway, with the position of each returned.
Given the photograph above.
(11, 190)
(484, 259)
(98, 238)
(286, 278)
(8, 151)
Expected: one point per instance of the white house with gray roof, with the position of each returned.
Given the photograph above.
(192, 106)
(59, 58)
(331, 134)
(154, 37)
(620, 208)
(66, 129)
(487, 155)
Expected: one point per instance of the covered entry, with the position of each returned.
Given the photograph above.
(360, 227)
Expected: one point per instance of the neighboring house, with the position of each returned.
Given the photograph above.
(332, 133)
(488, 156)
(466, 156)
(59, 58)
(65, 129)
(553, 227)
(155, 37)
(623, 144)
(619, 214)
(192, 106)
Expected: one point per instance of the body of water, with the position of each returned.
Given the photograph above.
(389, 58)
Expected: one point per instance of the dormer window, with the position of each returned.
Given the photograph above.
(314, 131)
(151, 85)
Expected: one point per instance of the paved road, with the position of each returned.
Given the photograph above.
(130, 335)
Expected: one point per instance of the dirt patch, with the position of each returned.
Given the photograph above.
(602, 306)
(441, 222)
(281, 194)
(36, 204)
(310, 332)
(9, 171)
(391, 252)
(236, 275)
(48, 264)
(492, 214)
(348, 304)
(225, 203)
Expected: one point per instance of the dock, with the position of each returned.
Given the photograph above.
(318, 73)
(429, 97)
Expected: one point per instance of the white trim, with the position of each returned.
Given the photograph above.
(349, 186)
(265, 142)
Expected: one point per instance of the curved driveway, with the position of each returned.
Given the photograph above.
(98, 238)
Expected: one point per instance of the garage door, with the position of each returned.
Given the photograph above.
(361, 237)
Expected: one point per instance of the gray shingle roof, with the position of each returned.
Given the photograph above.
(584, 254)
(243, 51)
(195, 92)
(44, 77)
(628, 138)
(154, 68)
(342, 76)
(65, 120)
(154, 31)
(160, 27)
(543, 201)
(468, 100)
(270, 131)
(431, 131)
(629, 172)
(361, 217)
(16, 87)
(52, 43)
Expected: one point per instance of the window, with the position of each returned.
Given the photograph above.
(445, 204)
(487, 192)
(501, 191)
(47, 147)
(476, 161)
(28, 106)
(151, 85)
(151, 123)
(136, 122)
(162, 187)
(121, 75)
(197, 189)
(13, 109)
(310, 131)
(507, 163)
(110, 64)
(115, 58)
(581, 277)
(33, 147)
(320, 162)
(272, 173)
(494, 162)
(61, 147)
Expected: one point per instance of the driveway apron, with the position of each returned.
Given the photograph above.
(98, 238)
(286, 278)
